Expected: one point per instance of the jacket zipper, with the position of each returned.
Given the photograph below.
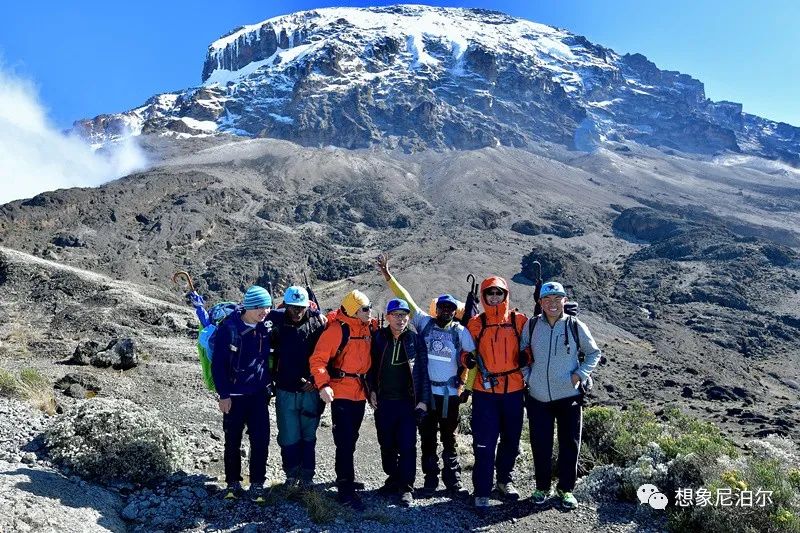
(549, 353)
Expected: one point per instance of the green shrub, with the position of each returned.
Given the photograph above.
(684, 434)
(32, 386)
(619, 437)
(321, 509)
(770, 467)
(9, 385)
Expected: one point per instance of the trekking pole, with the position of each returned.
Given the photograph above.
(185, 275)
(310, 291)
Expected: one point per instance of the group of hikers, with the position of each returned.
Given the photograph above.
(415, 372)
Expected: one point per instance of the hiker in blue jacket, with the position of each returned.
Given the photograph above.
(564, 354)
(295, 331)
(240, 367)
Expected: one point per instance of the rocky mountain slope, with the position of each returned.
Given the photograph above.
(457, 141)
(418, 77)
(685, 266)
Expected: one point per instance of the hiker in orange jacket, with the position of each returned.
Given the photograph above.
(339, 367)
(498, 391)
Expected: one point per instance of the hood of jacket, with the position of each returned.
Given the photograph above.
(496, 314)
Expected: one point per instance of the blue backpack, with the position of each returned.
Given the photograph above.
(205, 341)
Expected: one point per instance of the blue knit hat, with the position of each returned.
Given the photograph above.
(397, 304)
(256, 298)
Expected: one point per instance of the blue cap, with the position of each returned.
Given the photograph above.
(397, 304)
(552, 288)
(447, 299)
(256, 298)
(295, 295)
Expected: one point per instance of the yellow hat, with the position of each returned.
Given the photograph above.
(353, 301)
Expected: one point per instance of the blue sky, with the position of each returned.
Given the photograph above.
(92, 57)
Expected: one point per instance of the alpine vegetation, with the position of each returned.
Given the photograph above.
(115, 440)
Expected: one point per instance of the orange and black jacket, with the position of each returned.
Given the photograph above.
(498, 345)
(354, 358)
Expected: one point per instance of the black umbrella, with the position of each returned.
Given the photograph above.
(537, 291)
(471, 305)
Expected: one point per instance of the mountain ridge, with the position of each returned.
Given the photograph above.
(419, 77)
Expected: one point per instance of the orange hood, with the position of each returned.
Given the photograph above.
(496, 314)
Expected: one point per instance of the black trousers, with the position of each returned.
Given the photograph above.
(251, 411)
(397, 437)
(346, 416)
(446, 428)
(568, 414)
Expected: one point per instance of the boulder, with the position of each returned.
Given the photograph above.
(120, 354)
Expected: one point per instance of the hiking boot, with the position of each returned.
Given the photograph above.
(406, 498)
(539, 497)
(430, 486)
(233, 491)
(387, 489)
(257, 493)
(568, 500)
(457, 491)
(508, 491)
(481, 503)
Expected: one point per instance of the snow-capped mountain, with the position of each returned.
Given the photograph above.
(420, 77)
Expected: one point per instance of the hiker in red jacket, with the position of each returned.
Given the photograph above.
(339, 366)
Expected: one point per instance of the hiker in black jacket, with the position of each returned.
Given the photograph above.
(296, 329)
(400, 393)
(240, 367)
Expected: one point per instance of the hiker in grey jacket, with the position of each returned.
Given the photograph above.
(556, 381)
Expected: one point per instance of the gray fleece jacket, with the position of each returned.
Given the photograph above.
(549, 375)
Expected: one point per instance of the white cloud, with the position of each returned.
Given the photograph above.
(36, 157)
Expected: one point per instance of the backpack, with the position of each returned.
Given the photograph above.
(512, 325)
(205, 339)
(345, 339)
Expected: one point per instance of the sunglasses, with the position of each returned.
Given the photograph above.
(494, 292)
(367, 308)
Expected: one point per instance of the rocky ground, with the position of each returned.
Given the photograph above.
(686, 270)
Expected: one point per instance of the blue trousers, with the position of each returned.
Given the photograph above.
(346, 416)
(495, 416)
(252, 411)
(298, 416)
(397, 437)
